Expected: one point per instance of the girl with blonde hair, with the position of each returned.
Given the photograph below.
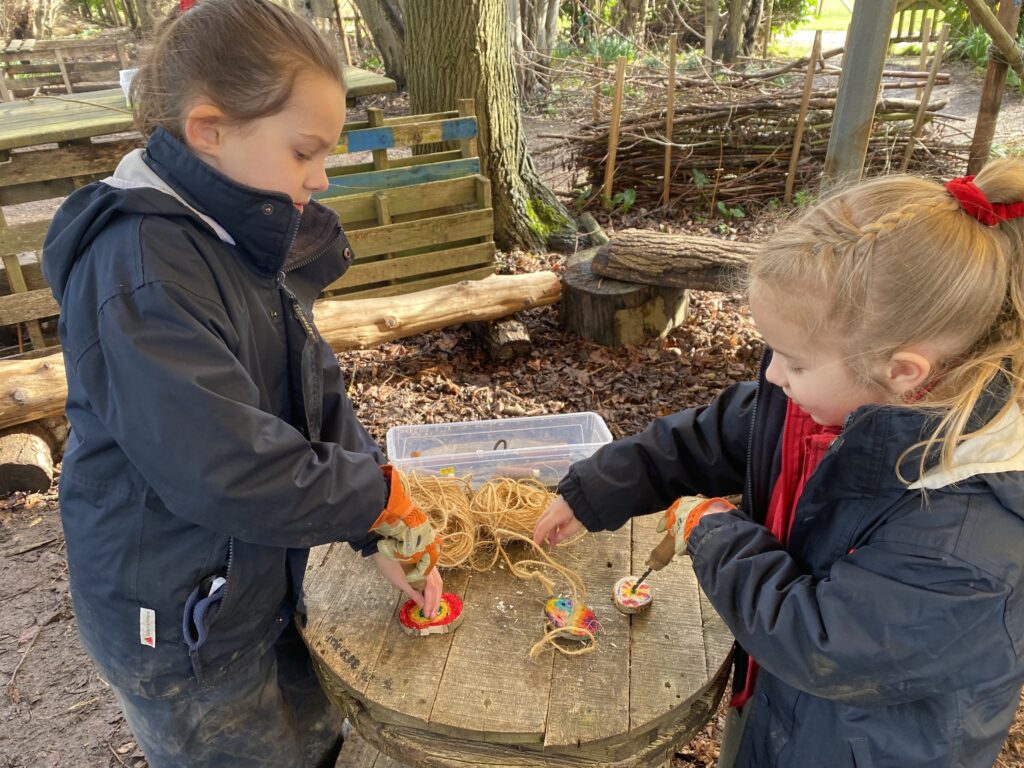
(873, 575)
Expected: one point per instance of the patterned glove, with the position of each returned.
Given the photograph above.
(406, 533)
(682, 517)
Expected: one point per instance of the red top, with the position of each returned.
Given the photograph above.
(804, 443)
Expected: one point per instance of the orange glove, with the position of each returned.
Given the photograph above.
(407, 535)
(684, 514)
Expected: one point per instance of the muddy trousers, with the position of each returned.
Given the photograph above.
(272, 715)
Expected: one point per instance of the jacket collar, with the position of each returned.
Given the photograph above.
(264, 225)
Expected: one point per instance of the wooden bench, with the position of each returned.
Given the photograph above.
(28, 67)
(415, 222)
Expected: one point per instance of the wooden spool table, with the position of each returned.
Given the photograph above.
(474, 697)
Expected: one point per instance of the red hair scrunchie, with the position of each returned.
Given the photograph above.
(974, 203)
(184, 5)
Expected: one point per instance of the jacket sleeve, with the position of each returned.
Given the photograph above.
(893, 621)
(162, 378)
(696, 451)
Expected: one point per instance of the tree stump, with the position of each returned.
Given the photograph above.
(614, 313)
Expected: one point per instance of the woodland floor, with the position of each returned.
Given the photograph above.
(55, 712)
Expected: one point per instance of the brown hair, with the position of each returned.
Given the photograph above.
(896, 261)
(242, 55)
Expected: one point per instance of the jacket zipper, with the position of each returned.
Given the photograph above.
(748, 494)
(315, 256)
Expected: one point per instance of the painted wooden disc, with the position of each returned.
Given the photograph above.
(561, 612)
(628, 601)
(449, 616)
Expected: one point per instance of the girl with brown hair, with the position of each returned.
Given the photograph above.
(212, 441)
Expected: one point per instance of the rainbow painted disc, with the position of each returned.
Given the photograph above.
(560, 612)
(449, 616)
(628, 601)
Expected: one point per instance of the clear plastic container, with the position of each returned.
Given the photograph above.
(541, 447)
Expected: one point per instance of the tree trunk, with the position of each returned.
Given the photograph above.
(386, 22)
(750, 30)
(37, 388)
(147, 17)
(734, 30)
(464, 50)
(633, 23)
(678, 261)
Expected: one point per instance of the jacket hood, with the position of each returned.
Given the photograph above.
(169, 180)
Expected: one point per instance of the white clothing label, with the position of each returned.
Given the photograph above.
(147, 627)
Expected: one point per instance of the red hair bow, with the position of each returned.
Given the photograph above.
(184, 5)
(975, 204)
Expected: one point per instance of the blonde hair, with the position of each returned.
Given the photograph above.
(242, 55)
(894, 262)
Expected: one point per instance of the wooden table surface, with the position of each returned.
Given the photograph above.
(475, 697)
(42, 120)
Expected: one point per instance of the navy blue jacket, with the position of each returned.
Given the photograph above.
(211, 434)
(890, 629)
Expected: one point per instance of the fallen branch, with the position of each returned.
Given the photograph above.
(34, 389)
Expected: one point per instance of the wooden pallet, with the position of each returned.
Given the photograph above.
(414, 222)
(28, 67)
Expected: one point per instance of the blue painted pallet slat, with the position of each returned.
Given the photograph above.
(399, 177)
(369, 139)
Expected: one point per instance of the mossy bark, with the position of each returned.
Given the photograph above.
(460, 49)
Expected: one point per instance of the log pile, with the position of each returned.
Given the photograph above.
(733, 135)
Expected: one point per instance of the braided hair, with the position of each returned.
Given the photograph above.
(898, 261)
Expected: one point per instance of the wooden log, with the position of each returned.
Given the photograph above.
(615, 313)
(674, 261)
(34, 389)
(28, 454)
(505, 340)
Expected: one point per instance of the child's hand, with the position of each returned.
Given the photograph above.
(682, 517)
(406, 533)
(429, 599)
(556, 524)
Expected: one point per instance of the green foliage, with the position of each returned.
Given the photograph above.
(730, 213)
(623, 201)
(789, 14)
(971, 43)
(802, 198)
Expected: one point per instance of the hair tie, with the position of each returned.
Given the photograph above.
(974, 203)
(184, 5)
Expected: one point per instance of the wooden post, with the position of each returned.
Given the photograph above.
(342, 33)
(710, 28)
(467, 108)
(63, 69)
(926, 40)
(596, 112)
(1002, 39)
(991, 94)
(5, 95)
(613, 131)
(867, 41)
(922, 107)
(670, 114)
(798, 134)
(375, 117)
(768, 29)
(122, 55)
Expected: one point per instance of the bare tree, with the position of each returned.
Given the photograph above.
(386, 22)
(463, 49)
